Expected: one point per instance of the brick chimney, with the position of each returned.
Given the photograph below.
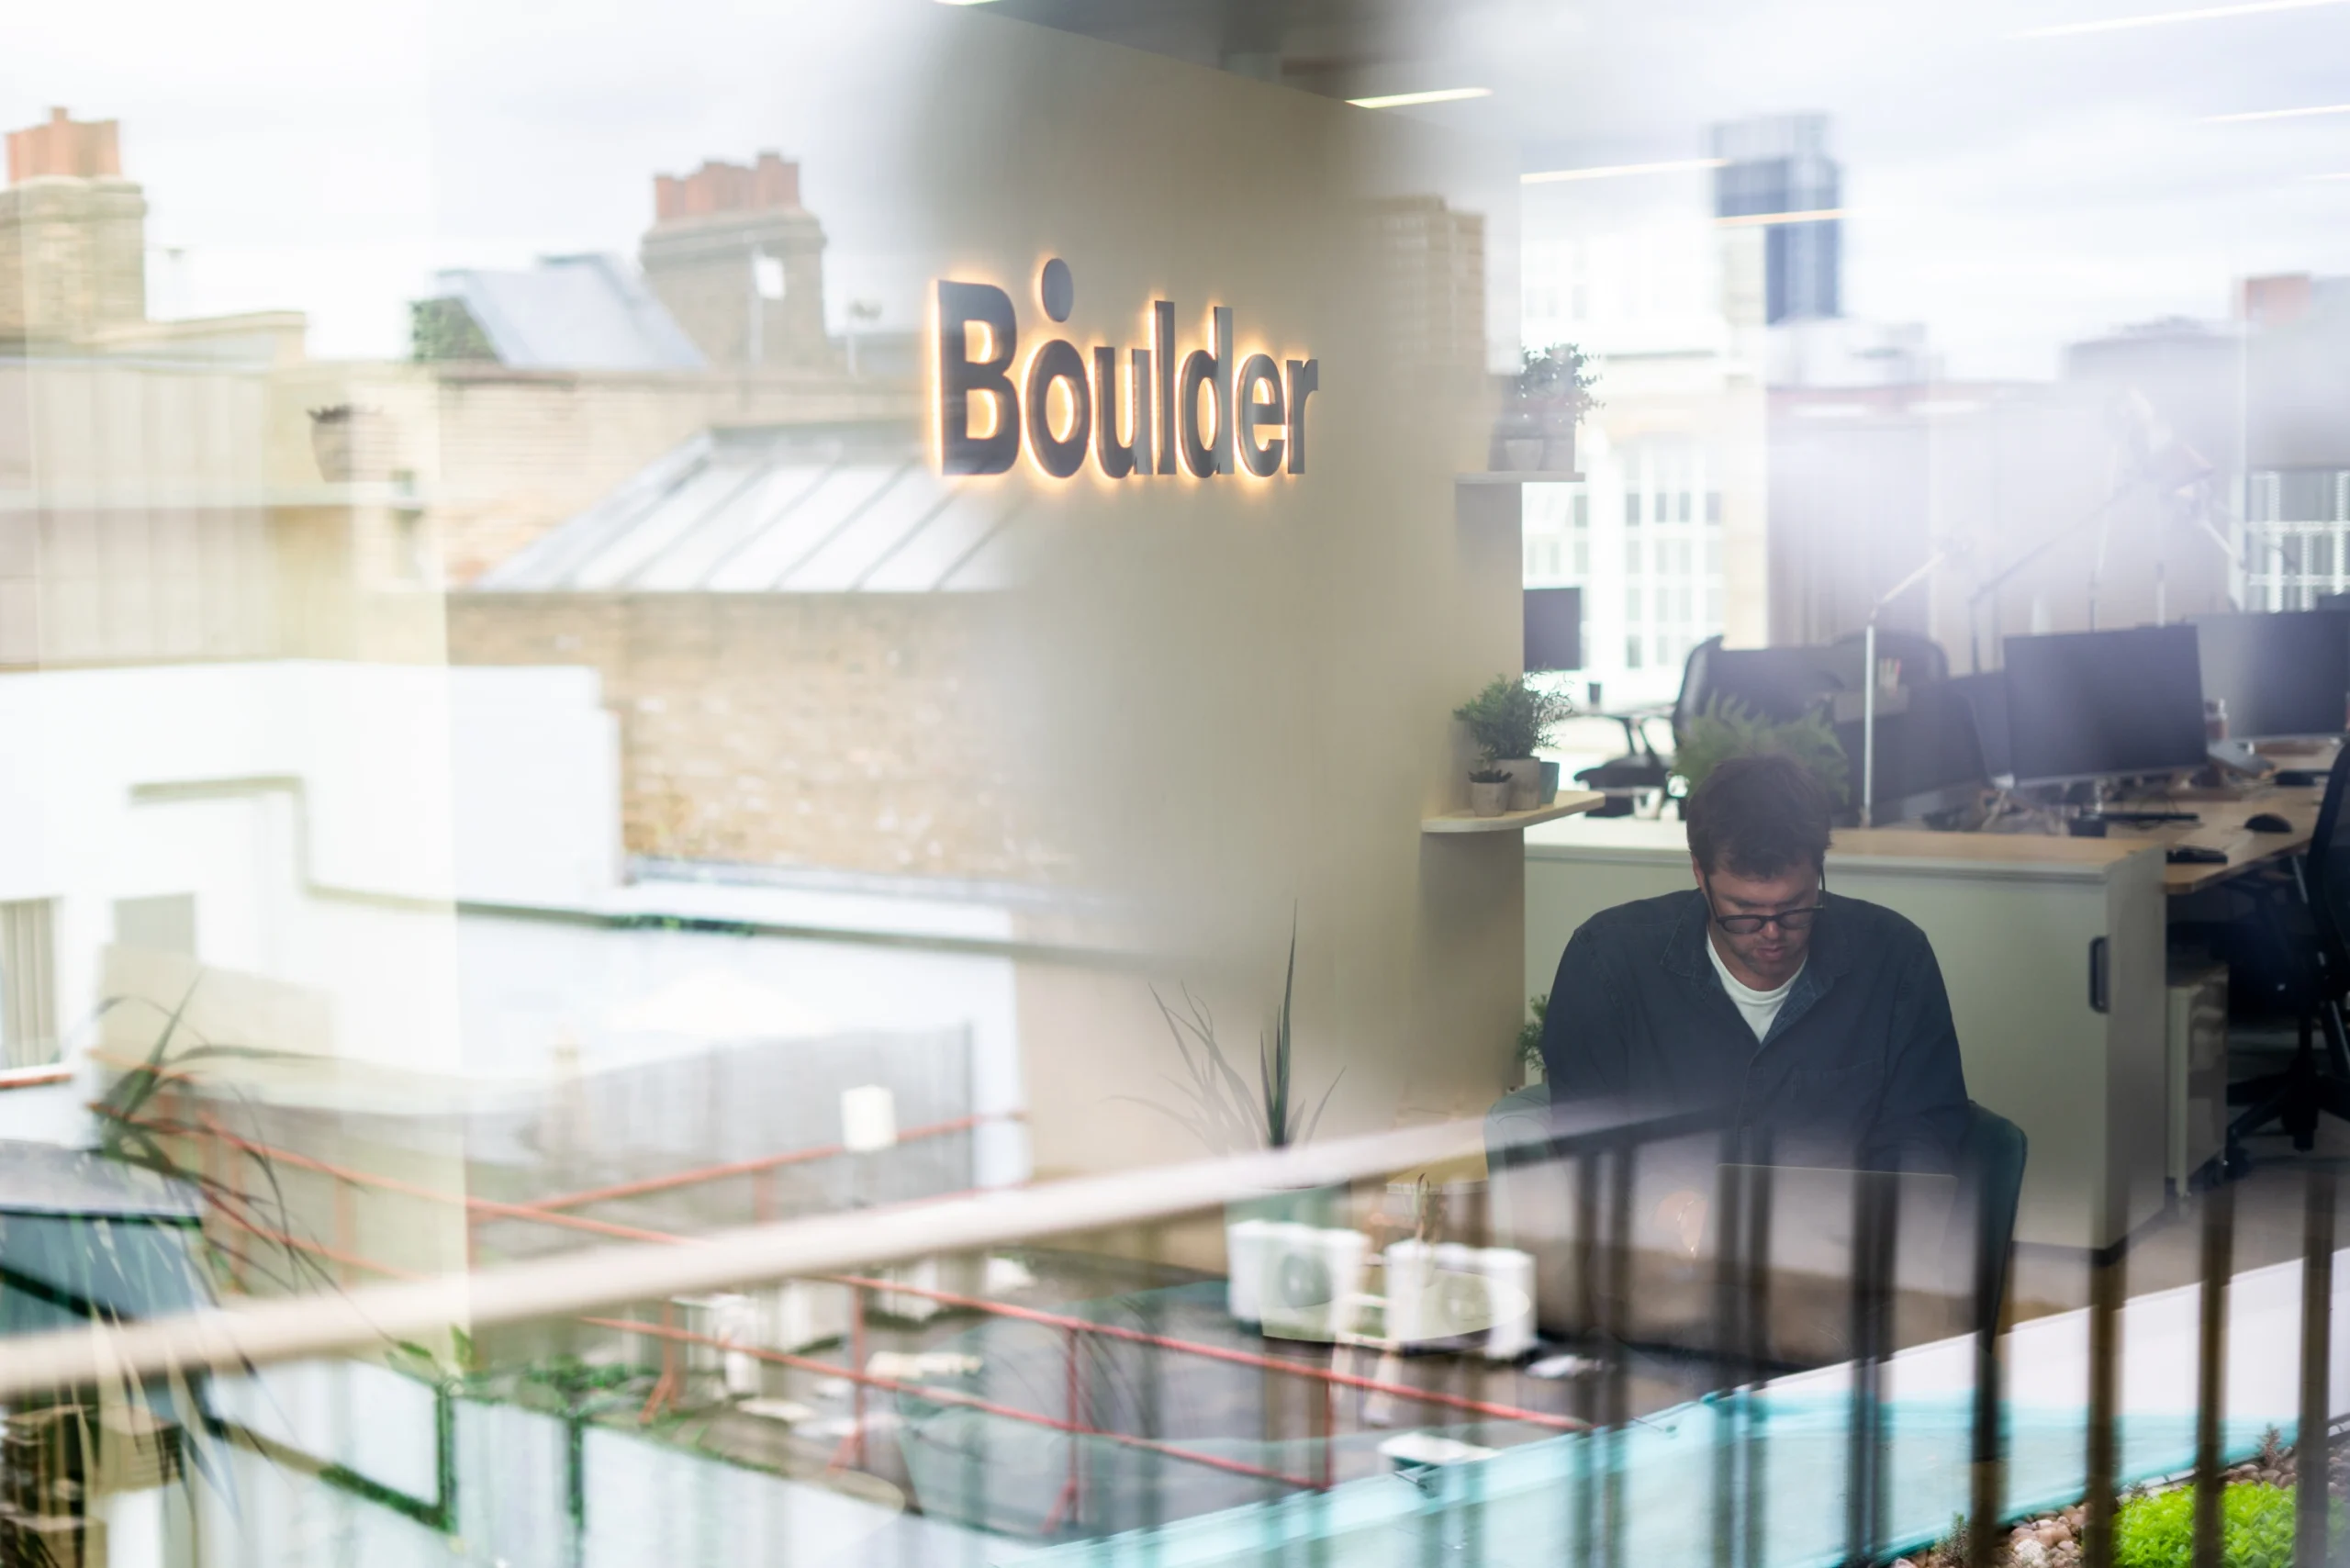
(771, 184)
(2277, 300)
(82, 149)
(739, 263)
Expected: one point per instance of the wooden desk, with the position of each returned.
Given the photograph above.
(2222, 828)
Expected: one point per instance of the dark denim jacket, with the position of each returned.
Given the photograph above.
(1859, 1068)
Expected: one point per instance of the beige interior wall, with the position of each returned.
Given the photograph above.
(1234, 696)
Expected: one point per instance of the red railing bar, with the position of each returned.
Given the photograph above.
(977, 1304)
(753, 1167)
(1219, 1354)
(951, 1396)
(598, 1195)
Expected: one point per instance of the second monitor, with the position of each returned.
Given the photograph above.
(2283, 675)
(2089, 705)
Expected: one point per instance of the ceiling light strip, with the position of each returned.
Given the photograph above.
(1410, 100)
(1619, 171)
(2166, 18)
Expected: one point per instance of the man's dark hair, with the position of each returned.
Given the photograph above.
(1759, 817)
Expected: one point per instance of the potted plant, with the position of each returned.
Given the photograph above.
(350, 443)
(1488, 790)
(1554, 398)
(1726, 729)
(1510, 722)
(1519, 438)
(1231, 1115)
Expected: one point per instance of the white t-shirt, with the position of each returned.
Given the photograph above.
(1759, 1006)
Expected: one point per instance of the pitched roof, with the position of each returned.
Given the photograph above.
(588, 312)
(774, 511)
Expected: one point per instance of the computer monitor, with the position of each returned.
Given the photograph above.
(1553, 628)
(1987, 697)
(2284, 675)
(2087, 705)
(1928, 755)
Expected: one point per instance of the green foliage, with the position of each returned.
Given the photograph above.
(1529, 1034)
(1488, 775)
(1726, 729)
(126, 1118)
(445, 329)
(2255, 1531)
(1224, 1113)
(1557, 381)
(1955, 1550)
(1511, 719)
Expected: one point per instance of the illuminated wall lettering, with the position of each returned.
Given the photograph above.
(1206, 413)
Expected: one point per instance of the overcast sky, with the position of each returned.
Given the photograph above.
(2013, 193)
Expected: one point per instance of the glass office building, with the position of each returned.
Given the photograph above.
(790, 784)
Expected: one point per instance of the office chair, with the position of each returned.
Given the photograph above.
(1696, 686)
(2308, 945)
(1624, 778)
(1921, 658)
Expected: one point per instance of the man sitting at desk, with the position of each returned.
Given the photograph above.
(1816, 1019)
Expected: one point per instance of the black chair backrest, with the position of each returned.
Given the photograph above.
(1921, 658)
(2327, 870)
(1782, 684)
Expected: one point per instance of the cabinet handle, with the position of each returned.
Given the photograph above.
(2099, 998)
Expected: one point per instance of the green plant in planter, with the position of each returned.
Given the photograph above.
(1488, 775)
(1529, 1034)
(1226, 1114)
(1554, 388)
(1510, 719)
(2256, 1529)
(1728, 729)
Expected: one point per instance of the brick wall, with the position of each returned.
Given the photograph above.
(73, 257)
(859, 732)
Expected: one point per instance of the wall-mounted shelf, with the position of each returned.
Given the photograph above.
(1522, 477)
(1570, 803)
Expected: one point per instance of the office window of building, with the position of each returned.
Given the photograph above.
(1632, 508)
(2297, 537)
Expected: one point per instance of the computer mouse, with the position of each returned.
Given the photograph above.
(2268, 822)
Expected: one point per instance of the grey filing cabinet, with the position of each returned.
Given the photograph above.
(2051, 950)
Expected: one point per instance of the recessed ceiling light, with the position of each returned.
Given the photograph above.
(1408, 100)
(2277, 114)
(1618, 171)
(2165, 18)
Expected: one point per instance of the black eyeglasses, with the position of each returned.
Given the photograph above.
(1786, 920)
